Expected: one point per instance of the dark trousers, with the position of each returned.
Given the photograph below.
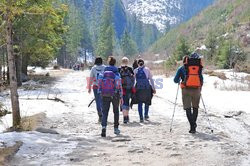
(105, 110)
(98, 101)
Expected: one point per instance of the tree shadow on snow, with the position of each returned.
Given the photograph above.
(207, 137)
(152, 123)
(139, 124)
(133, 124)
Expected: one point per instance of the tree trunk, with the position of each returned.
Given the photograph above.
(4, 64)
(61, 57)
(25, 60)
(1, 65)
(12, 73)
(18, 63)
(85, 57)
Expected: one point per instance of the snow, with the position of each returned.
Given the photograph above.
(37, 143)
(155, 12)
(159, 61)
(76, 122)
(39, 70)
(203, 47)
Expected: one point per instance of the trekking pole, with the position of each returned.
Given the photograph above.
(210, 127)
(91, 102)
(174, 108)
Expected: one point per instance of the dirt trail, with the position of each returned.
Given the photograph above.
(149, 143)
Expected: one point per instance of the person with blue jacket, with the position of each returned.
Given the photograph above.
(191, 84)
(113, 95)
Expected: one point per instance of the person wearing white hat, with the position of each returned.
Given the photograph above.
(127, 76)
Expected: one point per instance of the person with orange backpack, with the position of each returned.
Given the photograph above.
(191, 78)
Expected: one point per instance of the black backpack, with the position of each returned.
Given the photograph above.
(127, 78)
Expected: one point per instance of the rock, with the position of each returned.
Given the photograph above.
(121, 139)
(122, 146)
(24, 77)
(47, 74)
(233, 114)
(44, 130)
(135, 150)
(175, 155)
(167, 148)
(158, 144)
(140, 151)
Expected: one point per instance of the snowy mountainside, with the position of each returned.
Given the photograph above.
(161, 12)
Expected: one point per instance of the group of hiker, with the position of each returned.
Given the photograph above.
(126, 86)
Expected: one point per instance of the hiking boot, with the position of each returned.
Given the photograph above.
(125, 120)
(141, 120)
(128, 118)
(117, 131)
(192, 130)
(103, 134)
(147, 118)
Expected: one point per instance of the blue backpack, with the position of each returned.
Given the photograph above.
(141, 79)
(108, 84)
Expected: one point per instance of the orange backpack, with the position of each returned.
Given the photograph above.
(193, 68)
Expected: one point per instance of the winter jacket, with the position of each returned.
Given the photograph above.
(113, 69)
(132, 72)
(93, 73)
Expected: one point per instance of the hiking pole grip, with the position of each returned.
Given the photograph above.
(174, 107)
(210, 126)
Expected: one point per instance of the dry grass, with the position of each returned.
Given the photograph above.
(59, 73)
(245, 67)
(216, 74)
(238, 84)
(247, 78)
(30, 123)
(6, 153)
(235, 88)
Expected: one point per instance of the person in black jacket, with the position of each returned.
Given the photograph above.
(127, 76)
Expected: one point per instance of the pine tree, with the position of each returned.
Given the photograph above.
(211, 44)
(182, 49)
(105, 45)
(32, 29)
(128, 46)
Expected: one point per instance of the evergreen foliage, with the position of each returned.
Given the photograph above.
(128, 45)
(105, 43)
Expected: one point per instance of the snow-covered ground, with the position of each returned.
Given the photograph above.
(149, 143)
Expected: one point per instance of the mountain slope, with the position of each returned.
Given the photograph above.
(162, 12)
(225, 17)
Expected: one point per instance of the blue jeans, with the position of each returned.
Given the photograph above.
(141, 111)
(98, 101)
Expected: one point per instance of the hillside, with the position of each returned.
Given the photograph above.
(228, 18)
